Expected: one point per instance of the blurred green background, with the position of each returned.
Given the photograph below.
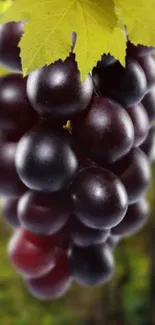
(128, 299)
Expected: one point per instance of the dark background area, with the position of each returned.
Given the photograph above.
(128, 299)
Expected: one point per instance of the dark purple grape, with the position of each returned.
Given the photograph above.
(81, 235)
(56, 91)
(9, 211)
(138, 50)
(104, 132)
(10, 35)
(10, 184)
(31, 255)
(125, 85)
(106, 60)
(149, 104)
(147, 63)
(112, 241)
(134, 172)
(135, 218)
(140, 122)
(43, 213)
(16, 113)
(54, 284)
(148, 146)
(46, 159)
(99, 199)
(93, 265)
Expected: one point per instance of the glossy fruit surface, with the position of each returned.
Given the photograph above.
(104, 132)
(99, 199)
(125, 85)
(56, 91)
(46, 159)
(92, 265)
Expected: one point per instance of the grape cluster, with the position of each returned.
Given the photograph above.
(74, 164)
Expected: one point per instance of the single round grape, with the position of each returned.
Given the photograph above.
(148, 146)
(140, 122)
(43, 213)
(104, 132)
(149, 104)
(147, 63)
(81, 235)
(106, 60)
(138, 50)
(112, 241)
(32, 256)
(56, 91)
(16, 113)
(134, 172)
(10, 184)
(10, 34)
(134, 220)
(9, 211)
(99, 199)
(93, 265)
(125, 85)
(46, 159)
(54, 284)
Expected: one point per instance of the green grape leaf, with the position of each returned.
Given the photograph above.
(4, 5)
(139, 18)
(47, 34)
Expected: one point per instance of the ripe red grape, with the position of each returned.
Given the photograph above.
(46, 159)
(134, 172)
(99, 199)
(93, 265)
(104, 132)
(125, 85)
(10, 35)
(56, 91)
(147, 63)
(140, 122)
(16, 113)
(10, 184)
(43, 213)
(149, 104)
(32, 255)
(135, 218)
(54, 284)
(9, 211)
(148, 146)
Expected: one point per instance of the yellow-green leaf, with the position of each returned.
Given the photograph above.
(139, 18)
(50, 23)
(4, 5)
